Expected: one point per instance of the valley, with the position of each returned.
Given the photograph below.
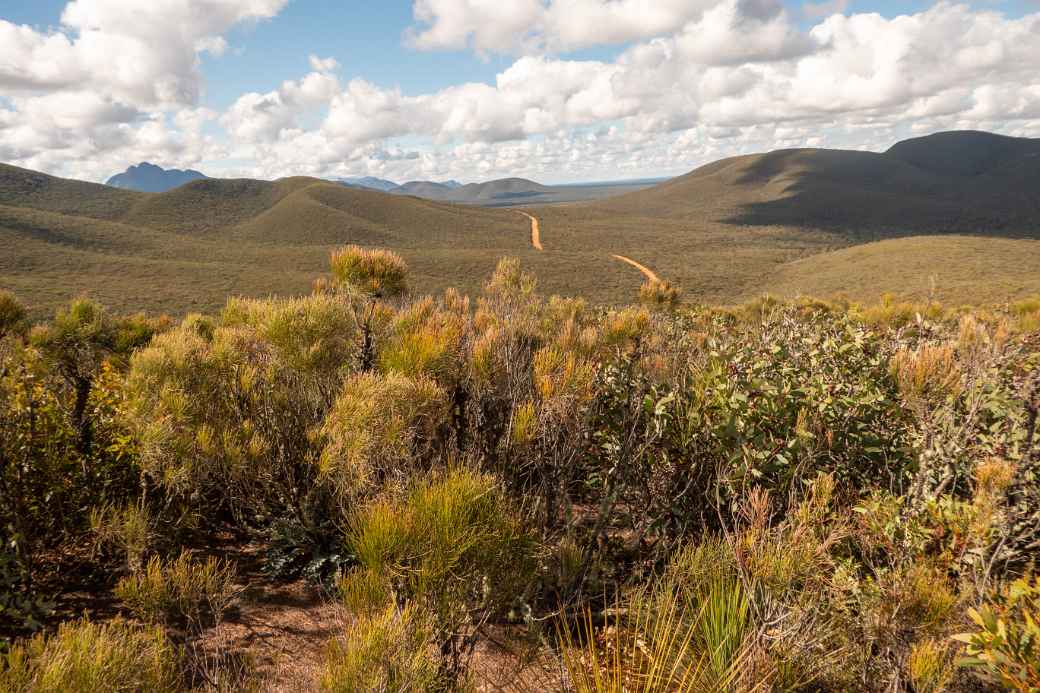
(792, 222)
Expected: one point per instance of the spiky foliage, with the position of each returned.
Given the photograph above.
(659, 294)
(377, 273)
(86, 656)
(388, 650)
(379, 431)
(182, 593)
(449, 546)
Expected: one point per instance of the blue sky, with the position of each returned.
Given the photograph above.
(555, 89)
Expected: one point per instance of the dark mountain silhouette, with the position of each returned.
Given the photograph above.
(146, 177)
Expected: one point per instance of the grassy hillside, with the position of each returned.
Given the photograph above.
(723, 232)
(952, 269)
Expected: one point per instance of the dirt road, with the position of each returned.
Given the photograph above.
(642, 268)
(536, 241)
(536, 236)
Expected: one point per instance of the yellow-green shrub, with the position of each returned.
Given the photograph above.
(448, 546)
(424, 341)
(380, 429)
(378, 273)
(183, 592)
(127, 529)
(659, 294)
(388, 650)
(225, 416)
(83, 656)
(930, 666)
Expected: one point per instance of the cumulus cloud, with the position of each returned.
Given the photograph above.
(692, 81)
(532, 26)
(115, 76)
(261, 117)
(145, 53)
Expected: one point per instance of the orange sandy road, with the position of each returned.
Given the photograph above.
(536, 236)
(642, 268)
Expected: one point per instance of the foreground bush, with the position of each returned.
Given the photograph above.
(83, 656)
(380, 430)
(449, 547)
(182, 593)
(1006, 644)
(224, 410)
(388, 650)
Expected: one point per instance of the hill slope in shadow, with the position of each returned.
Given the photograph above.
(957, 182)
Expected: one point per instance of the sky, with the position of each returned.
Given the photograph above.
(554, 90)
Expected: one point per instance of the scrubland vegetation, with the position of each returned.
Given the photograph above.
(782, 495)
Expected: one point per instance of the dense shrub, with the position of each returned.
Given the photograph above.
(183, 593)
(85, 656)
(804, 495)
(448, 546)
(379, 431)
(225, 412)
(378, 273)
(387, 650)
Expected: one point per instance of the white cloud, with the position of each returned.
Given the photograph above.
(118, 77)
(323, 64)
(705, 79)
(521, 26)
(145, 53)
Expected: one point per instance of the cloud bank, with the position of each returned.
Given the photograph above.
(690, 80)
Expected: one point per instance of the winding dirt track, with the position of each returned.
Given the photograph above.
(536, 241)
(642, 268)
(536, 236)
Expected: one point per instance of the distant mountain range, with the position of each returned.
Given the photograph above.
(369, 182)
(384, 185)
(146, 177)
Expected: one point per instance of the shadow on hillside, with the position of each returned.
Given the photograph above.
(871, 197)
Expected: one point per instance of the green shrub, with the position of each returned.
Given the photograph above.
(389, 650)
(181, 593)
(127, 529)
(450, 547)
(84, 656)
(380, 430)
(1006, 644)
(377, 273)
(12, 315)
(424, 341)
(225, 419)
(662, 641)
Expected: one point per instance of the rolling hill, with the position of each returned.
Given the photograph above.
(189, 248)
(147, 177)
(730, 229)
(910, 189)
(955, 215)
